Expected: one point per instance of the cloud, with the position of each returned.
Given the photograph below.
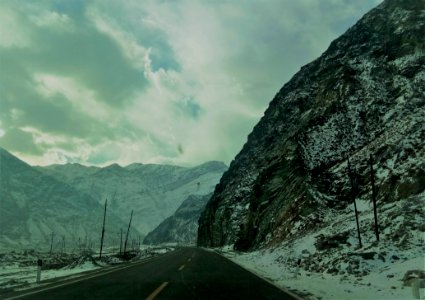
(81, 98)
(133, 51)
(12, 33)
(180, 82)
(20, 141)
(53, 21)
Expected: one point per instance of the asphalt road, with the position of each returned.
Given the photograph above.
(187, 273)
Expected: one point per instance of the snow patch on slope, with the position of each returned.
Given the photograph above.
(344, 271)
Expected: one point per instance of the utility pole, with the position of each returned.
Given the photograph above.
(103, 229)
(51, 243)
(128, 230)
(121, 243)
(353, 196)
(372, 181)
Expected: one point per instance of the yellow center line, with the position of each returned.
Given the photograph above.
(181, 268)
(157, 291)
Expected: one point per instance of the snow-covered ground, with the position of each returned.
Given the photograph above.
(18, 270)
(342, 270)
(15, 277)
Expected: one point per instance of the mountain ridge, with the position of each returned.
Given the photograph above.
(68, 199)
(153, 191)
(363, 96)
(34, 205)
(182, 226)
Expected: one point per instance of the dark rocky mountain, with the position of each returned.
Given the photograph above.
(364, 96)
(33, 205)
(182, 226)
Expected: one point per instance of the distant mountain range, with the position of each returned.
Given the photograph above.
(68, 200)
(34, 205)
(182, 226)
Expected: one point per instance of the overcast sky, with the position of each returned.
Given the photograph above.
(180, 82)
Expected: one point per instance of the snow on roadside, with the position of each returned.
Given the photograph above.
(18, 277)
(86, 266)
(384, 284)
(18, 271)
(339, 269)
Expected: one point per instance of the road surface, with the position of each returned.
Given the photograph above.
(187, 273)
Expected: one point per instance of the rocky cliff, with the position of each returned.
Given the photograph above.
(364, 96)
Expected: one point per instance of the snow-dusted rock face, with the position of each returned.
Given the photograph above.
(34, 205)
(365, 95)
(154, 192)
(182, 226)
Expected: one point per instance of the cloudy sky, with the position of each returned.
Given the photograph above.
(152, 81)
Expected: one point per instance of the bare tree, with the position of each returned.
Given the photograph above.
(63, 244)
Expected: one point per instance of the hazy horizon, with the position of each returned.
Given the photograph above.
(111, 164)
